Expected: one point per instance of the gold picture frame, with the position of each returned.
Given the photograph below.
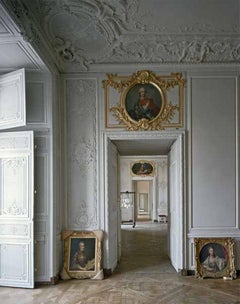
(214, 258)
(143, 102)
(142, 168)
(82, 255)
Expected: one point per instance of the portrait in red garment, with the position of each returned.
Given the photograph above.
(143, 101)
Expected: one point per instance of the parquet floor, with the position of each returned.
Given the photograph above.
(144, 276)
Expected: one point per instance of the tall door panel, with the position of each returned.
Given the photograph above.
(16, 209)
(175, 202)
(12, 100)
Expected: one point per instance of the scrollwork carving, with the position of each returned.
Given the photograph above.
(85, 218)
(14, 210)
(111, 25)
(167, 109)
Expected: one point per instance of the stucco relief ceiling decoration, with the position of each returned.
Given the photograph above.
(84, 33)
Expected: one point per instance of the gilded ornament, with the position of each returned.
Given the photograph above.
(143, 101)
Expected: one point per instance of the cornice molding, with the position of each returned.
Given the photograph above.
(30, 31)
(104, 32)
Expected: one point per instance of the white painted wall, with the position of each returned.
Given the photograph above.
(81, 154)
(211, 169)
(111, 206)
(214, 183)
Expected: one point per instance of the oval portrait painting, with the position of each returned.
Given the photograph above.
(143, 101)
(142, 168)
(213, 257)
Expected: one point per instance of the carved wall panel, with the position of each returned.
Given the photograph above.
(41, 185)
(12, 99)
(36, 103)
(41, 262)
(13, 170)
(14, 230)
(17, 254)
(81, 151)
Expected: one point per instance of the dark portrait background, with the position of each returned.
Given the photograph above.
(89, 247)
(132, 96)
(145, 166)
(220, 251)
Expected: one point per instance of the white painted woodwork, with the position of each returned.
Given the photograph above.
(112, 204)
(37, 99)
(175, 205)
(213, 147)
(12, 100)
(16, 209)
(81, 207)
(211, 108)
(42, 199)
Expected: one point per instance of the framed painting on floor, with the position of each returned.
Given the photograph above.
(214, 258)
(82, 254)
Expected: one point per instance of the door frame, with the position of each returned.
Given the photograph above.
(143, 135)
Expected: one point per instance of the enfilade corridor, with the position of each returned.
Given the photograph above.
(144, 276)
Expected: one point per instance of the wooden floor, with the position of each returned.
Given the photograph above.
(144, 276)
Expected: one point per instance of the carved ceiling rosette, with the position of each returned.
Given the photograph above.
(81, 32)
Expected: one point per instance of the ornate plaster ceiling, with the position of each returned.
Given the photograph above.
(81, 34)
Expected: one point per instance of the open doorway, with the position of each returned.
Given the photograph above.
(140, 145)
(143, 200)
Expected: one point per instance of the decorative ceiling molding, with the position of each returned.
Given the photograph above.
(92, 32)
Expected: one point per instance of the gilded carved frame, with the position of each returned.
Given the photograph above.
(214, 258)
(161, 112)
(82, 255)
(142, 168)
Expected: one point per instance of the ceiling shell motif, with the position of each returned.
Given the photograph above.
(82, 34)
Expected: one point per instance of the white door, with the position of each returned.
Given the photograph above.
(12, 100)
(16, 186)
(175, 205)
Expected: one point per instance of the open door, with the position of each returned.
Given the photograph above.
(12, 100)
(175, 205)
(16, 186)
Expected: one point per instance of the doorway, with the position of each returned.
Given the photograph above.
(143, 200)
(142, 142)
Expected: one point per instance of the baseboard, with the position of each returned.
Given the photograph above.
(107, 272)
(53, 281)
(187, 272)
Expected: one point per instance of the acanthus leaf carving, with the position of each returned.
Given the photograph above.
(125, 34)
(13, 210)
(85, 218)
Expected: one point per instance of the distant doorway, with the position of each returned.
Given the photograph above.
(143, 200)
